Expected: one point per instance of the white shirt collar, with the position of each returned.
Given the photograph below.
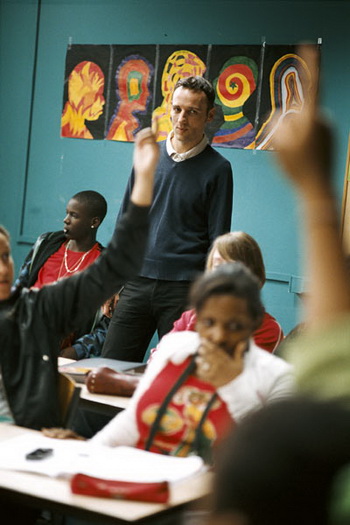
(179, 157)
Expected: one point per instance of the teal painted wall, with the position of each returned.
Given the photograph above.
(40, 170)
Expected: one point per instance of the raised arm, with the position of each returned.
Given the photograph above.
(304, 149)
(146, 155)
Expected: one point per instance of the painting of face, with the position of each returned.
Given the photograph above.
(86, 85)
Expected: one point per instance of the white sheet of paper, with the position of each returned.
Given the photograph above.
(120, 463)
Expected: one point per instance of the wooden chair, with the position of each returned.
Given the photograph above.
(69, 394)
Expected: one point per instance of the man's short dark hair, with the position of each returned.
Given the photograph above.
(198, 83)
(94, 201)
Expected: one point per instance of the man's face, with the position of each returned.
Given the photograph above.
(189, 115)
(77, 222)
(6, 268)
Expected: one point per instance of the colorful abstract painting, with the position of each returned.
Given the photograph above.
(113, 91)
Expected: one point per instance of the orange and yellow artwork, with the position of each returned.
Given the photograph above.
(132, 87)
(113, 91)
(85, 100)
(180, 64)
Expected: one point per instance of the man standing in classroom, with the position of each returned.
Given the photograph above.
(192, 205)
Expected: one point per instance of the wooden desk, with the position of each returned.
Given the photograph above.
(54, 494)
(101, 403)
(104, 404)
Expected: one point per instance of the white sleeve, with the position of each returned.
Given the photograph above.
(122, 429)
(265, 378)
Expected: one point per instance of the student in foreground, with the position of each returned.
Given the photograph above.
(32, 322)
(199, 384)
(293, 480)
(288, 464)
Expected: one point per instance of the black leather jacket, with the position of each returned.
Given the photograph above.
(91, 336)
(32, 322)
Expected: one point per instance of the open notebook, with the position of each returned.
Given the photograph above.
(78, 369)
(70, 457)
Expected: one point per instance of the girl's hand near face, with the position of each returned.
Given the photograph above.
(216, 366)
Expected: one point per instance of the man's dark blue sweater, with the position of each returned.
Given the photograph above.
(192, 205)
